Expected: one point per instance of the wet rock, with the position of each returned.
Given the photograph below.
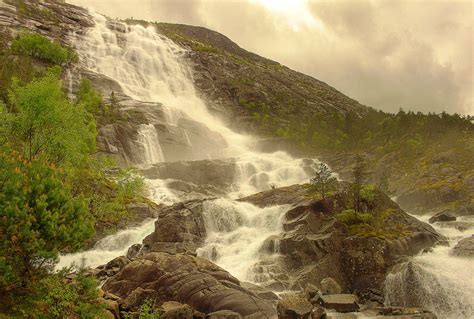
(118, 262)
(294, 306)
(191, 280)
(464, 248)
(314, 245)
(311, 291)
(372, 295)
(442, 217)
(339, 302)
(133, 251)
(218, 173)
(260, 291)
(224, 314)
(179, 228)
(294, 195)
(176, 310)
(330, 287)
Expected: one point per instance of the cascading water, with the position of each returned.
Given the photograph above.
(151, 68)
(237, 232)
(148, 140)
(437, 280)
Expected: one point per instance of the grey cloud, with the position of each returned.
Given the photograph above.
(387, 54)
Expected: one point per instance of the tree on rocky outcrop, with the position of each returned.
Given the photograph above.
(359, 174)
(323, 180)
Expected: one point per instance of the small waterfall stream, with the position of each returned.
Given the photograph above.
(436, 280)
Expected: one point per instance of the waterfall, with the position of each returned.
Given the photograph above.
(437, 280)
(148, 140)
(151, 68)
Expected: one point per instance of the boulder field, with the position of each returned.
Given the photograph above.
(323, 260)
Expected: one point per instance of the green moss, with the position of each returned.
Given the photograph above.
(350, 217)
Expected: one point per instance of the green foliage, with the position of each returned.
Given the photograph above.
(89, 97)
(79, 299)
(44, 123)
(146, 311)
(351, 217)
(107, 194)
(39, 219)
(323, 181)
(130, 185)
(38, 46)
(367, 193)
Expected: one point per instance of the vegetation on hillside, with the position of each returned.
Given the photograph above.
(54, 191)
(419, 154)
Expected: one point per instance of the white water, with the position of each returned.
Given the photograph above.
(151, 68)
(150, 145)
(109, 247)
(439, 281)
(236, 233)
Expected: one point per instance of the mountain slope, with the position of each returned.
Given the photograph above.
(302, 114)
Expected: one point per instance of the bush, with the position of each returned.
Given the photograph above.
(350, 217)
(38, 46)
(78, 299)
(146, 311)
(130, 185)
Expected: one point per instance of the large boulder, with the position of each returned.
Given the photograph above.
(294, 306)
(339, 302)
(189, 280)
(329, 287)
(464, 248)
(179, 228)
(315, 245)
(294, 195)
(442, 217)
(176, 310)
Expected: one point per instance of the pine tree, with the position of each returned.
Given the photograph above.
(38, 219)
(323, 180)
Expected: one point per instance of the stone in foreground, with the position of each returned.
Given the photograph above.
(339, 302)
(188, 280)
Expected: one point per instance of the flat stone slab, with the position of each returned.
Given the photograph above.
(339, 302)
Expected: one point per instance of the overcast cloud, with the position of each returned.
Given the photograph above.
(415, 54)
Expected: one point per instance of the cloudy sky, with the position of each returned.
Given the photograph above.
(415, 54)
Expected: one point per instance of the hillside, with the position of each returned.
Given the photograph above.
(306, 116)
(155, 170)
(426, 159)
